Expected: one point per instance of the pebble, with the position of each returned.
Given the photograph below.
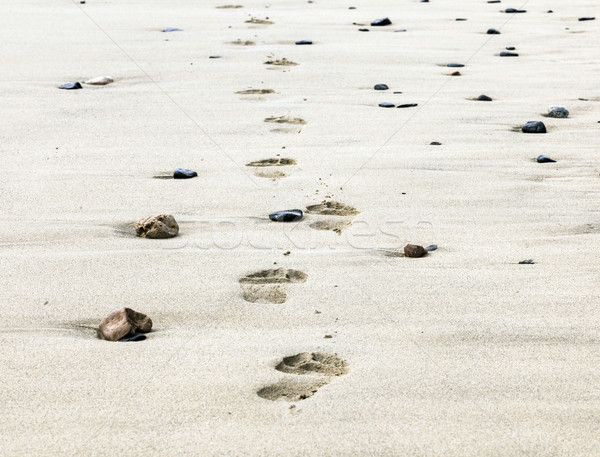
(510, 48)
(558, 111)
(161, 226)
(527, 262)
(363, 30)
(70, 86)
(381, 87)
(431, 247)
(172, 29)
(435, 143)
(123, 322)
(288, 215)
(508, 54)
(455, 73)
(214, 57)
(414, 251)
(133, 338)
(184, 173)
(493, 1)
(386, 105)
(400, 30)
(493, 32)
(99, 81)
(586, 18)
(514, 10)
(460, 19)
(534, 127)
(455, 65)
(407, 105)
(381, 22)
(544, 159)
(484, 98)
(304, 42)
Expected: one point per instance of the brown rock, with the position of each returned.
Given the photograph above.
(122, 322)
(162, 226)
(413, 250)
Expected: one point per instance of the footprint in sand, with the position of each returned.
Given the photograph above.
(265, 286)
(332, 208)
(229, 6)
(286, 120)
(255, 92)
(281, 62)
(267, 168)
(255, 20)
(319, 367)
(243, 43)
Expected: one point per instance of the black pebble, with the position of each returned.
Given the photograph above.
(493, 1)
(363, 30)
(82, 2)
(133, 338)
(214, 57)
(508, 54)
(514, 10)
(534, 127)
(544, 159)
(549, 11)
(381, 22)
(431, 247)
(493, 32)
(288, 215)
(460, 19)
(586, 18)
(407, 105)
(70, 86)
(526, 262)
(397, 92)
(381, 87)
(172, 29)
(435, 143)
(484, 98)
(510, 48)
(352, 7)
(386, 105)
(583, 99)
(183, 173)
(303, 42)
(455, 65)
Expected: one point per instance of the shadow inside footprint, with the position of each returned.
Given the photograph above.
(285, 120)
(315, 362)
(291, 390)
(275, 162)
(265, 294)
(255, 92)
(332, 208)
(272, 174)
(279, 276)
(335, 226)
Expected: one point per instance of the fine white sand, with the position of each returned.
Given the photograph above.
(461, 353)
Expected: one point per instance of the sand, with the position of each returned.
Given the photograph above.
(460, 353)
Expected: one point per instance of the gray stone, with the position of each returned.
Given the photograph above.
(558, 111)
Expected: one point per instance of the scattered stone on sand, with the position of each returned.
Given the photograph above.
(493, 32)
(414, 251)
(400, 30)
(70, 86)
(301, 42)
(157, 227)
(99, 81)
(123, 322)
(431, 247)
(544, 159)
(381, 87)
(407, 105)
(386, 105)
(460, 19)
(527, 262)
(455, 65)
(558, 111)
(508, 54)
(534, 127)
(138, 337)
(455, 73)
(435, 143)
(381, 22)
(172, 29)
(588, 18)
(288, 215)
(363, 30)
(184, 173)
(514, 10)
(484, 98)
(494, 1)
(214, 57)
(510, 48)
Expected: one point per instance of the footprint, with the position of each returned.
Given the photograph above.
(315, 362)
(272, 174)
(255, 20)
(276, 162)
(335, 226)
(255, 92)
(243, 43)
(229, 6)
(286, 120)
(332, 208)
(291, 389)
(264, 294)
(282, 62)
(279, 276)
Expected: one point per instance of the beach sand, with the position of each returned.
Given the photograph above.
(461, 353)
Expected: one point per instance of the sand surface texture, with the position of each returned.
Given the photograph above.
(312, 338)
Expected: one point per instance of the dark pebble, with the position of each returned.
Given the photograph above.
(400, 30)
(583, 99)
(303, 42)
(288, 215)
(514, 10)
(526, 262)
(70, 86)
(435, 143)
(363, 30)
(508, 54)
(82, 2)
(407, 105)
(586, 18)
(133, 338)
(460, 19)
(424, 1)
(510, 48)
(431, 247)
(549, 11)
(183, 173)
(172, 29)
(397, 92)
(455, 65)
(381, 22)
(493, 1)
(493, 32)
(484, 98)
(544, 159)
(352, 7)
(381, 87)
(534, 127)
(214, 57)
(386, 105)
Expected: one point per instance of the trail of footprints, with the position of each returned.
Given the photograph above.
(266, 286)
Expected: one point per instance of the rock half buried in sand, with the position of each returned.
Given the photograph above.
(544, 159)
(70, 86)
(161, 226)
(589, 18)
(407, 105)
(558, 111)
(123, 322)
(386, 105)
(381, 22)
(303, 42)
(508, 54)
(527, 262)
(414, 251)
(99, 81)
(534, 127)
(455, 65)
(514, 10)
(484, 98)
(381, 87)
(172, 29)
(431, 247)
(288, 215)
(184, 173)
(493, 32)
